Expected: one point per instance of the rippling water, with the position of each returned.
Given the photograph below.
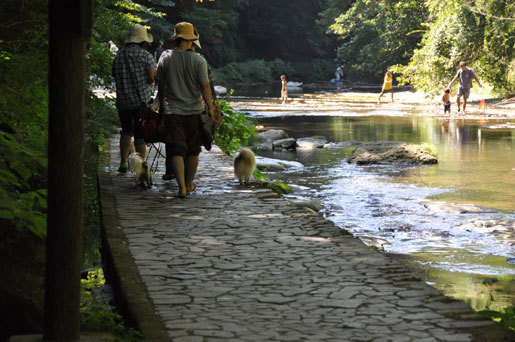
(455, 220)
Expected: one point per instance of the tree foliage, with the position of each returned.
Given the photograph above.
(375, 35)
(23, 114)
(458, 30)
(236, 131)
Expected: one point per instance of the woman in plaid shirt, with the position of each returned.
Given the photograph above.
(133, 70)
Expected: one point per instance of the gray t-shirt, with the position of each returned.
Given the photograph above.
(183, 72)
(466, 77)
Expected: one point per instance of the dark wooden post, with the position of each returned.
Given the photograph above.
(70, 25)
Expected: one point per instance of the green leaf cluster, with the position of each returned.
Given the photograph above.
(23, 115)
(237, 130)
(23, 191)
(96, 314)
(506, 317)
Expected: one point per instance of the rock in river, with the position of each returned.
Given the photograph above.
(272, 135)
(284, 144)
(387, 152)
(269, 164)
(312, 142)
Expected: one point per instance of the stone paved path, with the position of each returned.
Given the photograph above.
(235, 263)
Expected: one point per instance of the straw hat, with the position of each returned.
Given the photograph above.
(184, 30)
(197, 41)
(138, 34)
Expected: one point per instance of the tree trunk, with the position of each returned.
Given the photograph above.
(69, 21)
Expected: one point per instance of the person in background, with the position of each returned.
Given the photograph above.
(446, 99)
(159, 50)
(183, 82)
(339, 73)
(133, 71)
(387, 84)
(465, 74)
(284, 89)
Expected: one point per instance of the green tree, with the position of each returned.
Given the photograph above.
(219, 36)
(285, 29)
(482, 34)
(375, 35)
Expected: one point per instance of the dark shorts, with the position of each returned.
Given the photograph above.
(129, 119)
(447, 106)
(183, 134)
(464, 91)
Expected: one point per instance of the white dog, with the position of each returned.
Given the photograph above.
(244, 165)
(140, 170)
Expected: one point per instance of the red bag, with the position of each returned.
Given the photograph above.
(152, 127)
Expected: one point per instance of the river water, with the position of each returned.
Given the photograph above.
(453, 221)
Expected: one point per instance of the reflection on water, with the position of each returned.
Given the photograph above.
(419, 210)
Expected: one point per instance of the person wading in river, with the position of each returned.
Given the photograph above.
(465, 74)
(387, 85)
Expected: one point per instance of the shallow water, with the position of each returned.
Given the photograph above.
(455, 220)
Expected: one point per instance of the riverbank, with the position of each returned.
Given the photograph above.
(325, 100)
(239, 263)
(390, 206)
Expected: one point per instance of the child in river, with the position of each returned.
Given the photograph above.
(387, 85)
(446, 99)
(284, 89)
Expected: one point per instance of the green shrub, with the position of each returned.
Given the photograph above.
(279, 67)
(315, 70)
(97, 315)
(506, 318)
(258, 70)
(101, 120)
(237, 130)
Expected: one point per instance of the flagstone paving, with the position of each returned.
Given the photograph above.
(239, 263)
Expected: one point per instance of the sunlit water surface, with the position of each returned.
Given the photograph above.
(455, 220)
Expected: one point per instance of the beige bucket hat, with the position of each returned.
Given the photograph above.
(138, 34)
(197, 41)
(184, 30)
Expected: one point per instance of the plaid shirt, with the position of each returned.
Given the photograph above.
(133, 89)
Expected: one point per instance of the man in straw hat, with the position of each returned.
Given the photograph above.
(133, 70)
(183, 82)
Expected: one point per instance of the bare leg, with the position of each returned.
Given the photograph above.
(464, 103)
(392, 96)
(458, 101)
(190, 169)
(125, 146)
(178, 168)
(379, 98)
(142, 150)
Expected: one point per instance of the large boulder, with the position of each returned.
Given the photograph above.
(387, 152)
(272, 135)
(284, 144)
(311, 143)
(269, 164)
(219, 90)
